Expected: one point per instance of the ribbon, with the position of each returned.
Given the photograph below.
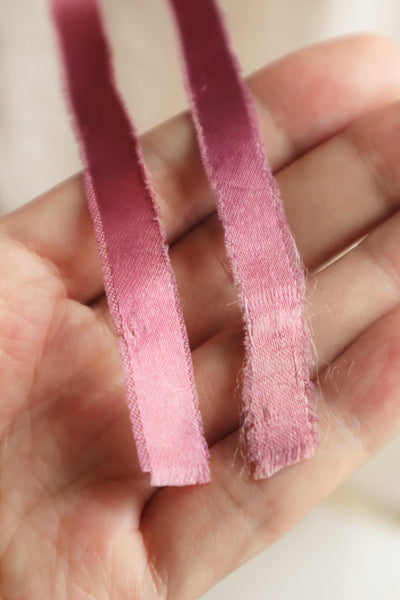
(277, 421)
(138, 278)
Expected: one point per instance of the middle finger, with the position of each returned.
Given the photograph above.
(332, 196)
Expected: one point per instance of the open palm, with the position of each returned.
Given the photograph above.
(77, 518)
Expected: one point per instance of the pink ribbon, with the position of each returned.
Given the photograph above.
(278, 423)
(138, 277)
(277, 420)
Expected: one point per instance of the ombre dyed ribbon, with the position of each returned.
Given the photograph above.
(277, 425)
(138, 277)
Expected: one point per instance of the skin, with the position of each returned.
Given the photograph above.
(78, 520)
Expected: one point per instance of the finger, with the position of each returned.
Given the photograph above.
(333, 195)
(343, 301)
(351, 294)
(340, 80)
(339, 191)
(234, 517)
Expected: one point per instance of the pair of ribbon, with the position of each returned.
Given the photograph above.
(139, 282)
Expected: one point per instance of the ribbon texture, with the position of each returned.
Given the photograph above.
(278, 422)
(138, 277)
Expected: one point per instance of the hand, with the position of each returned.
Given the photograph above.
(77, 518)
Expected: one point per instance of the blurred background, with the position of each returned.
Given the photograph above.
(348, 548)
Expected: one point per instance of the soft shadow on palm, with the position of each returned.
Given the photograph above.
(77, 517)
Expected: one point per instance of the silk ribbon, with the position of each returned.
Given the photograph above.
(278, 422)
(138, 278)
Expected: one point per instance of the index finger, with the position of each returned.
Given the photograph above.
(302, 99)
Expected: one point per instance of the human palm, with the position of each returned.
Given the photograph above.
(77, 517)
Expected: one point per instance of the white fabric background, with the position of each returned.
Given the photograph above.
(349, 547)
